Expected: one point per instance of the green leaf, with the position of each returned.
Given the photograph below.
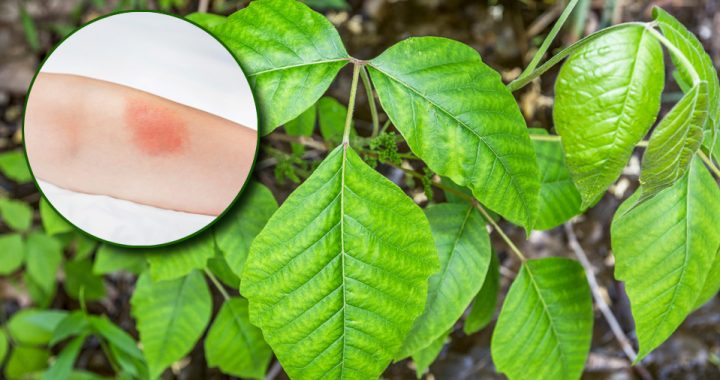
(545, 325)
(483, 308)
(332, 115)
(463, 245)
(52, 222)
(206, 20)
(63, 365)
(178, 260)
(559, 198)
(16, 215)
(607, 97)
(674, 142)
(456, 114)
(122, 346)
(83, 245)
(694, 52)
(25, 360)
(712, 282)
(42, 260)
(171, 316)
(234, 345)
(12, 253)
(34, 327)
(664, 249)
(290, 55)
(220, 268)
(235, 233)
(116, 336)
(73, 324)
(427, 355)
(339, 273)
(454, 197)
(14, 166)
(79, 278)
(3, 346)
(303, 125)
(109, 259)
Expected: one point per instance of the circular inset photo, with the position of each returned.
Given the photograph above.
(140, 129)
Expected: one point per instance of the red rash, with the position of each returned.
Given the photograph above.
(156, 130)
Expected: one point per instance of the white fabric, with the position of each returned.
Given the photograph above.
(123, 221)
(165, 56)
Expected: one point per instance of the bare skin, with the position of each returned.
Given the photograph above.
(98, 137)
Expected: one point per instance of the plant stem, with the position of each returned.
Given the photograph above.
(385, 126)
(599, 300)
(499, 230)
(549, 39)
(522, 81)
(479, 207)
(217, 284)
(709, 163)
(351, 103)
(106, 350)
(676, 53)
(371, 100)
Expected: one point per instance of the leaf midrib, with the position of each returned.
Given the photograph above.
(299, 65)
(173, 317)
(624, 107)
(481, 138)
(239, 323)
(685, 259)
(342, 255)
(546, 311)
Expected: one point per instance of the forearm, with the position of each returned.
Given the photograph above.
(102, 138)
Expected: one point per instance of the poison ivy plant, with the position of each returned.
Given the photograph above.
(235, 345)
(15, 214)
(455, 114)
(485, 303)
(349, 274)
(559, 198)
(690, 49)
(178, 260)
(243, 222)
(43, 256)
(289, 53)
(547, 314)
(463, 246)
(171, 316)
(14, 166)
(339, 273)
(302, 125)
(12, 253)
(427, 355)
(674, 142)
(607, 97)
(664, 249)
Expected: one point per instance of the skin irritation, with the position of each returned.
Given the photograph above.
(156, 131)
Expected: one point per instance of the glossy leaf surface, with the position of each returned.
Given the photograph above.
(559, 199)
(290, 55)
(338, 275)
(456, 114)
(171, 316)
(234, 345)
(545, 326)
(664, 249)
(483, 308)
(607, 96)
(236, 231)
(463, 246)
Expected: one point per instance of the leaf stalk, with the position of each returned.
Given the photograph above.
(351, 102)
